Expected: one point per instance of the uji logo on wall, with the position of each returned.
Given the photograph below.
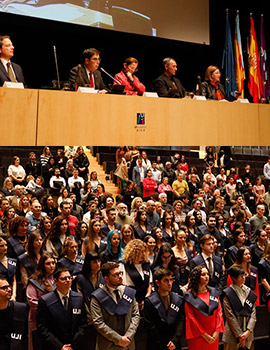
(140, 122)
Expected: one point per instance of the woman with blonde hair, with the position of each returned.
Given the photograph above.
(71, 260)
(126, 235)
(136, 270)
(212, 89)
(95, 240)
(24, 206)
(8, 188)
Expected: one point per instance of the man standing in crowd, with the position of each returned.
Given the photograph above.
(13, 320)
(156, 174)
(179, 186)
(163, 200)
(33, 166)
(57, 182)
(86, 74)
(122, 216)
(152, 217)
(163, 314)
(211, 229)
(266, 172)
(61, 315)
(138, 175)
(72, 220)
(111, 224)
(197, 205)
(35, 217)
(9, 71)
(166, 84)
(212, 262)
(14, 200)
(114, 311)
(257, 221)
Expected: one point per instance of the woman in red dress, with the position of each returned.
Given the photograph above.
(204, 320)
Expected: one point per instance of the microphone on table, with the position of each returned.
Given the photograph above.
(199, 86)
(109, 75)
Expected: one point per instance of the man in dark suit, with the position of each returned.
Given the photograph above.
(211, 261)
(86, 74)
(61, 315)
(166, 84)
(9, 71)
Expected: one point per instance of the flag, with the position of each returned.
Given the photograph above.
(228, 62)
(263, 64)
(239, 62)
(254, 81)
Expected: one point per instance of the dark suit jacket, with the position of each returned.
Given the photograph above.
(79, 75)
(163, 84)
(61, 327)
(4, 74)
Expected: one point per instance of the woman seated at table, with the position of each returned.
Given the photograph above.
(127, 77)
(212, 89)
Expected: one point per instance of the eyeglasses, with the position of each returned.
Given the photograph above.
(117, 274)
(66, 278)
(5, 288)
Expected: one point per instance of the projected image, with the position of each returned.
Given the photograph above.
(172, 19)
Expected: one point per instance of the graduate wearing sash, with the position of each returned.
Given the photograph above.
(13, 316)
(204, 320)
(163, 314)
(212, 262)
(61, 315)
(136, 270)
(40, 283)
(239, 306)
(114, 311)
(242, 259)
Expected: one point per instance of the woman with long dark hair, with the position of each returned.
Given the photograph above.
(168, 228)
(28, 261)
(48, 207)
(8, 267)
(243, 259)
(54, 242)
(166, 259)
(40, 283)
(45, 226)
(204, 320)
(141, 226)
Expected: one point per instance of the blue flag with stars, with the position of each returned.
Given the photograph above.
(228, 63)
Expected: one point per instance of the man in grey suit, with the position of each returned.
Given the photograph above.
(9, 71)
(86, 74)
(138, 174)
(114, 311)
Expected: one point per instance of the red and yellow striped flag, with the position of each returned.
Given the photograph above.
(254, 82)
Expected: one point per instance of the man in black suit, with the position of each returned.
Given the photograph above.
(61, 315)
(166, 84)
(9, 71)
(86, 74)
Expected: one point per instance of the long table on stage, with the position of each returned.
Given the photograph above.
(45, 117)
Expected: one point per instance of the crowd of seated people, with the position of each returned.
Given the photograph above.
(56, 214)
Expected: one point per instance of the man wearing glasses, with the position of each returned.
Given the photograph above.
(86, 74)
(13, 320)
(114, 311)
(61, 315)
